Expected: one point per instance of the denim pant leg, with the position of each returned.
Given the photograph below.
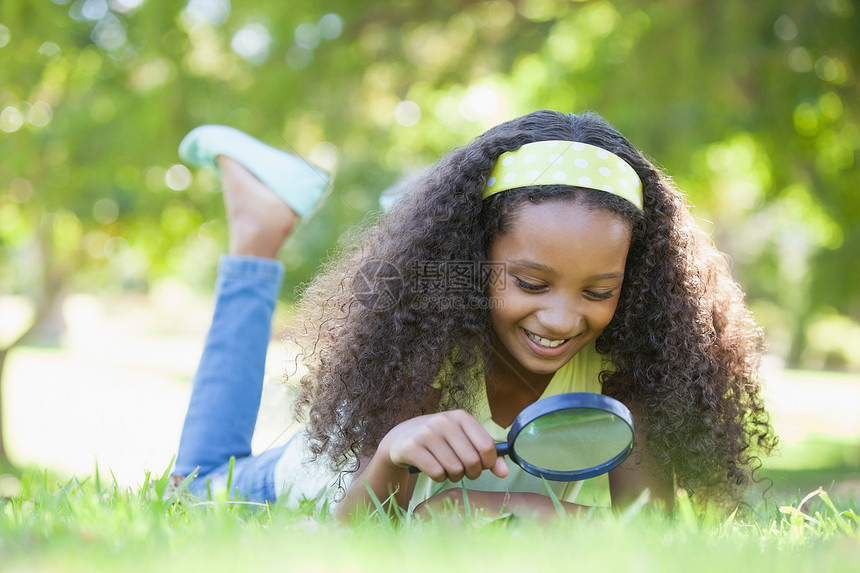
(226, 392)
(251, 478)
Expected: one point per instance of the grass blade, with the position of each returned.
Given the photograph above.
(97, 482)
(635, 508)
(380, 508)
(161, 484)
(230, 477)
(559, 508)
(840, 520)
(467, 507)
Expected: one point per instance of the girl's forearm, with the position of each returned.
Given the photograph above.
(388, 482)
(444, 445)
(494, 503)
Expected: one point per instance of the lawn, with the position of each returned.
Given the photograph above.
(94, 525)
(115, 392)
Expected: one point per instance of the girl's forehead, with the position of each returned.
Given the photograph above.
(565, 217)
(564, 233)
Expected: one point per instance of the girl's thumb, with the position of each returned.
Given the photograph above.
(500, 468)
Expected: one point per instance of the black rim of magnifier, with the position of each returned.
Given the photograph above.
(567, 401)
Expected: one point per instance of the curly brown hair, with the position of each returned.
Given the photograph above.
(684, 348)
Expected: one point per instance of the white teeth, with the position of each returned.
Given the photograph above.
(544, 341)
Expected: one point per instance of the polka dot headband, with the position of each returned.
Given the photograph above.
(565, 163)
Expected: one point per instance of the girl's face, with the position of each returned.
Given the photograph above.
(563, 266)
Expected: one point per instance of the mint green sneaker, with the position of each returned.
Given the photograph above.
(300, 184)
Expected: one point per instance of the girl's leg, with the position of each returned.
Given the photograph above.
(225, 396)
(226, 391)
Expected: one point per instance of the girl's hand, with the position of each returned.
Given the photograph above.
(445, 446)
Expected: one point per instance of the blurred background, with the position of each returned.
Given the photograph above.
(108, 245)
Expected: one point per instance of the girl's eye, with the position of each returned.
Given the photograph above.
(599, 295)
(528, 286)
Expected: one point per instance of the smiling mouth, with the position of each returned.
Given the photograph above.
(545, 342)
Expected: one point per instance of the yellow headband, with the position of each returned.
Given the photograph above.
(565, 163)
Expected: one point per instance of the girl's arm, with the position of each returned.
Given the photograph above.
(451, 445)
(445, 446)
(494, 503)
(640, 472)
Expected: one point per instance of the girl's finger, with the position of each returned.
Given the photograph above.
(446, 462)
(468, 455)
(482, 442)
(500, 468)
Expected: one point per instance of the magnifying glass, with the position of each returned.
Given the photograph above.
(569, 437)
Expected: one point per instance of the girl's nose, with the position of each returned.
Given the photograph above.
(562, 319)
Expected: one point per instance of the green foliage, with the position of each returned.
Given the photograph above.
(753, 109)
(92, 525)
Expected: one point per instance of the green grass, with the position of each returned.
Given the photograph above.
(92, 524)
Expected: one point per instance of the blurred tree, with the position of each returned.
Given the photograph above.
(752, 108)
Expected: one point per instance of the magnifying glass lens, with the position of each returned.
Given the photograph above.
(573, 439)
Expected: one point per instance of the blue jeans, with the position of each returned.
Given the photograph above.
(228, 385)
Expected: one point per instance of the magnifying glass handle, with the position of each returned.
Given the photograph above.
(502, 449)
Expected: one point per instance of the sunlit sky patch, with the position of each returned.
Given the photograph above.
(252, 43)
(212, 12)
(125, 6)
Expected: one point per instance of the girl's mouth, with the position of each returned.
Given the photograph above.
(545, 342)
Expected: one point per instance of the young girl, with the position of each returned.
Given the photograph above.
(546, 256)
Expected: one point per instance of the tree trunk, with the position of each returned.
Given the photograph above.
(6, 464)
(54, 275)
(51, 298)
(798, 336)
